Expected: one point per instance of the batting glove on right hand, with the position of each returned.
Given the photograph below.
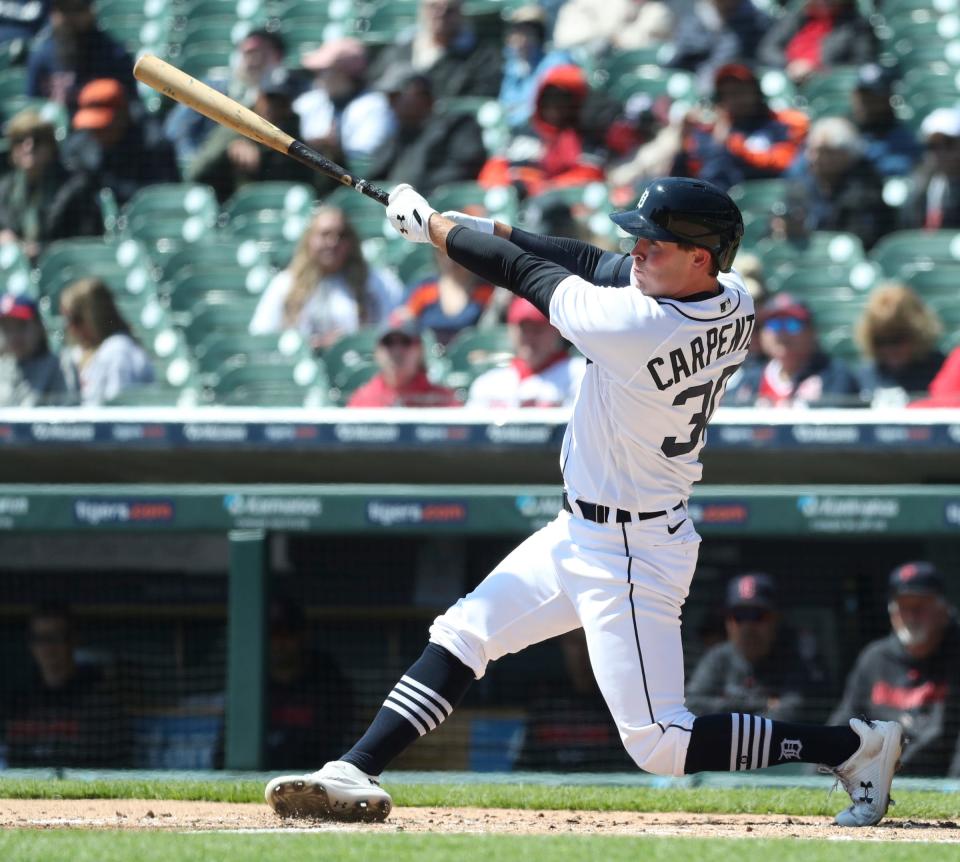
(484, 225)
(409, 212)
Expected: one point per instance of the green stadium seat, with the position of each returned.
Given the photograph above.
(829, 280)
(232, 315)
(474, 351)
(267, 226)
(821, 248)
(757, 197)
(212, 254)
(380, 25)
(829, 88)
(350, 381)
(940, 282)
(291, 199)
(899, 253)
(500, 203)
(155, 395)
(367, 216)
(199, 59)
(839, 341)
(219, 350)
(349, 352)
(274, 383)
(617, 64)
(122, 264)
(188, 288)
(678, 85)
(15, 271)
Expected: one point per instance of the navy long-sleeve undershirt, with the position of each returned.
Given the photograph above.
(532, 266)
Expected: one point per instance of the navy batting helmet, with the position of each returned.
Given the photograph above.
(680, 209)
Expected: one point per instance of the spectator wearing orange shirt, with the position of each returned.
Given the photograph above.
(747, 140)
(402, 379)
(452, 300)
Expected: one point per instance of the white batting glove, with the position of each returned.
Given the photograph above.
(478, 223)
(409, 213)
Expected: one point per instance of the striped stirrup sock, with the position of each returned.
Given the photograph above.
(423, 698)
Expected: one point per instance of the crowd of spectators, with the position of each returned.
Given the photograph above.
(576, 109)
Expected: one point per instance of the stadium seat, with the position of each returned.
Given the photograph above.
(380, 24)
(939, 282)
(474, 351)
(123, 265)
(223, 317)
(188, 288)
(15, 271)
(828, 94)
(349, 352)
(219, 350)
(367, 216)
(211, 254)
(655, 82)
(500, 203)
(267, 226)
(616, 64)
(820, 248)
(899, 253)
(757, 197)
(155, 395)
(274, 383)
(292, 199)
(199, 59)
(350, 381)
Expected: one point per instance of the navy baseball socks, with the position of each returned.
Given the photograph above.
(348, 789)
(422, 699)
(862, 756)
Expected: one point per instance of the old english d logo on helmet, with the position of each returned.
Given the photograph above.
(680, 209)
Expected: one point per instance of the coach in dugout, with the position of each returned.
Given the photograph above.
(763, 666)
(912, 675)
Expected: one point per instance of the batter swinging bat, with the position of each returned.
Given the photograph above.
(178, 85)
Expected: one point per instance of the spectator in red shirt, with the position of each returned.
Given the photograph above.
(402, 379)
(542, 374)
(818, 35)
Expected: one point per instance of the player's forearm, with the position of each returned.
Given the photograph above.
(578, 257)
(499, 261)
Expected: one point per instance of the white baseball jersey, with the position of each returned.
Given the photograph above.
(554, 386)
(658, 369)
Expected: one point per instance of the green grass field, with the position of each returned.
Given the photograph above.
(74, 845)
(56, 845)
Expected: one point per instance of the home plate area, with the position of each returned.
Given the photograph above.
(106, 814)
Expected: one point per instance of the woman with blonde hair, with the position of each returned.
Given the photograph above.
(328, 290)
(107, 357)
(897, 335)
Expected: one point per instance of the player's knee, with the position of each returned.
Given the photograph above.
(662, 751)
(468, 648)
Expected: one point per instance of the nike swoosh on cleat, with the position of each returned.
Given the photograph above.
(673, 530)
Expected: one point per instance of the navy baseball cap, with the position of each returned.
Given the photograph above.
(916, 578)
(752, 590)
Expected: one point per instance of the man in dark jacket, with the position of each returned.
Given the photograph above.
(445, 49)
(227, 160)
(119, 147)
(73, 51)
(762, 667)
(429, 148)
(841, 190)
(912, 675)
(890, 145)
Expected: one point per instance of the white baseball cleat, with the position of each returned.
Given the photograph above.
(338, 791)
(868, 773)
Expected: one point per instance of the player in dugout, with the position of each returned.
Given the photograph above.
(663, 327)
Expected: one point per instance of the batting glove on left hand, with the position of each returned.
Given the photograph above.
(409, 212)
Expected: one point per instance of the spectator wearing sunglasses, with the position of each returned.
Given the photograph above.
(764, 666)
(402, 377)
(897, 335)
(796, 373)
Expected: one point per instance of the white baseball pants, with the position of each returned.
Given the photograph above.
(625, 585)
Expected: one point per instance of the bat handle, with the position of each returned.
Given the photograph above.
(372, 191)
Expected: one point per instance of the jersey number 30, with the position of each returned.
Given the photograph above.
(709, 394)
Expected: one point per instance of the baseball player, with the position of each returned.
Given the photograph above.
(663, 328)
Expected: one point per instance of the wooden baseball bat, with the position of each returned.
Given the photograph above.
(178, 85)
